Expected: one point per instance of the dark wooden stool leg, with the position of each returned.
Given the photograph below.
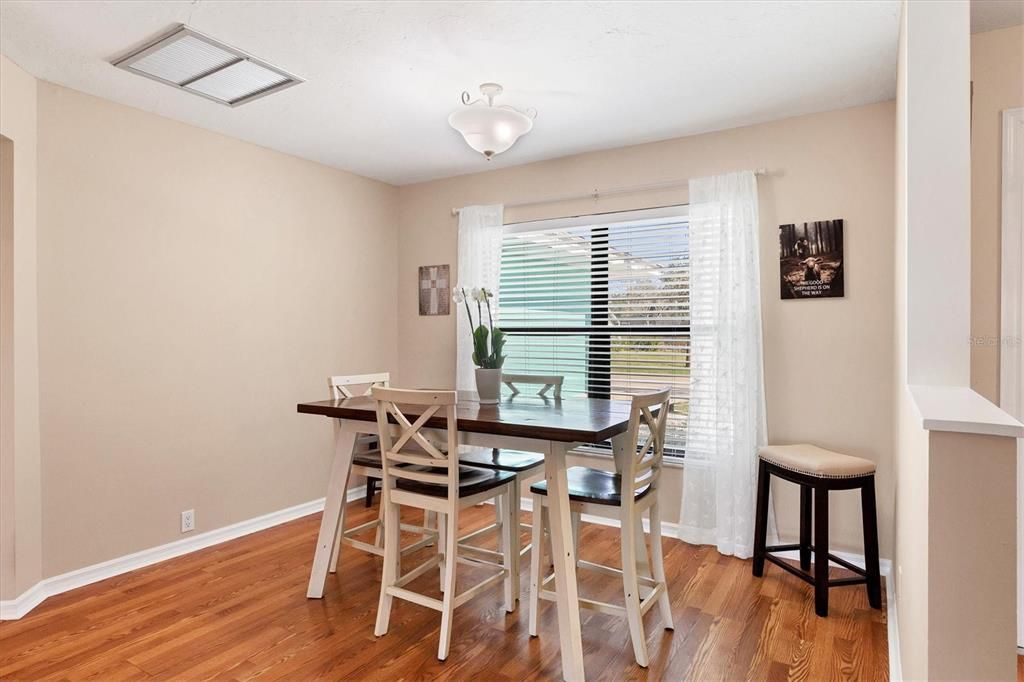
(821, 550)
(870, 520)
(371, 487)
(805, 527)
(761, 517)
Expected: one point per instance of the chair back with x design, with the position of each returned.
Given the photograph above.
(647, 419)
(411, 455)
(546, 383)
(343, 386)
(348, 386)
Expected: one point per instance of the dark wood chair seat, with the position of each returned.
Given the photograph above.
(367, 458)
(515, 461)
(592, 485)
(471, 481)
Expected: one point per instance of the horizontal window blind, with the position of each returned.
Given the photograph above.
(606, 305)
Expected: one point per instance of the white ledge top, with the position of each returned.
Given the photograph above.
(959, 409)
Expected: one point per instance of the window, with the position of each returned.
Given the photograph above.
(604, 301)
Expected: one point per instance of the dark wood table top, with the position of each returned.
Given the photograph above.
(570, 420)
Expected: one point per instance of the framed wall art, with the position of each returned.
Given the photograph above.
(435, 290)
(811, 261)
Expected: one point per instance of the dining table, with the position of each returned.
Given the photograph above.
(548, 426)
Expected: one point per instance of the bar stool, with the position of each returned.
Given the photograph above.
(633, 491)
(818, 471)
(366, 461)
(419, 474)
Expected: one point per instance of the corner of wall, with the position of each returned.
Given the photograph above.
(18, 123)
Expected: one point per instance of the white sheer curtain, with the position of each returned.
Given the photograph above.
(726, 412)
(480, 231)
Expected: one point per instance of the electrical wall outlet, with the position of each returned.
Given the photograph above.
(188, 520)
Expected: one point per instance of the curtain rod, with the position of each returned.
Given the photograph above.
(598, 193)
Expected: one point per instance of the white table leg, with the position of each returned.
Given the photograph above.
(563, 556)
(334, 510)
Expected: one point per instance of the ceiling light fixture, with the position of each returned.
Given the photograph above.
(487, 128)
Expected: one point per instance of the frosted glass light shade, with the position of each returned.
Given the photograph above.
(490, 130)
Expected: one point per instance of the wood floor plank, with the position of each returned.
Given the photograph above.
(238, 611)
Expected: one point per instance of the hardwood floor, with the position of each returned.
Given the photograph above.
(238, 611)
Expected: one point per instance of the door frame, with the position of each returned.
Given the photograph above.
(1011, 346)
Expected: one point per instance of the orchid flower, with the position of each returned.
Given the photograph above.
(487, 343)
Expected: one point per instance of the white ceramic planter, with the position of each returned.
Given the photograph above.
(488, 385)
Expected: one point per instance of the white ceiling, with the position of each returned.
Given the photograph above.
(382, 77)
(988, 15)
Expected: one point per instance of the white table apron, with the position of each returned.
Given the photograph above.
(562, 549)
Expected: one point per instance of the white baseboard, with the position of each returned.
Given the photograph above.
(893, 630)
(14, 609)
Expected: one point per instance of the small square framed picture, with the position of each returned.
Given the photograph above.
(811, 263)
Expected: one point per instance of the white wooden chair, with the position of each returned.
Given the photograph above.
(366, 462)
(546, 382)
(634, 491)
(419, 474)
(527, 466)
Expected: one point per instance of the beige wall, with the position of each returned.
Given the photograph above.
(832, 165)
(192, 289)
(997, 71)
(20, 545)
(955, 553)
(972, 539)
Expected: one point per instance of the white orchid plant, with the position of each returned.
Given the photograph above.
(487, 343)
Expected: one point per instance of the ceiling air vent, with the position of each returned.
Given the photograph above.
(196, 63)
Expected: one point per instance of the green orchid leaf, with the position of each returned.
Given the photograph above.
(480, 354)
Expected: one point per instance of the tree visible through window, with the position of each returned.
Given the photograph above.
(604, 303)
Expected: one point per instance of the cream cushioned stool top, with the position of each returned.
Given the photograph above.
(809, 459)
